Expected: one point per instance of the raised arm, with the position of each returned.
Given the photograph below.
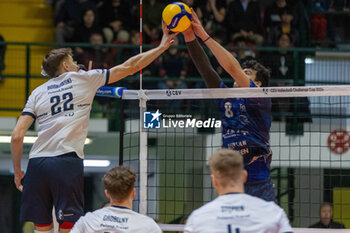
(23, 124)
(138, 62)
(200, 60)
(224, 57)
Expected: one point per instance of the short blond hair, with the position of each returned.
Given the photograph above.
(119, 182)
(226, 164)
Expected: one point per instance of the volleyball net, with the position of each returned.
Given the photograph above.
(180, 129)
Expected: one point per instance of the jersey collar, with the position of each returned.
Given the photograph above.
(120, 207)
(231, 193)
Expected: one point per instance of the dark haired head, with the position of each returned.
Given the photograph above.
(326, 204)
(83, 13)
(262, 73)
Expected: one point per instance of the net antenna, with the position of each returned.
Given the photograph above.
(143, 138)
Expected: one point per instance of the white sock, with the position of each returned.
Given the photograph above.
(49, 231)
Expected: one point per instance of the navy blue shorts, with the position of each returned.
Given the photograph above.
(263, 189)
(53, 181)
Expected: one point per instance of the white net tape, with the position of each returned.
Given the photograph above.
(218, 93)
(180, 227)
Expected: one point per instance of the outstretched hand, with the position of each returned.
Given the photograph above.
(167, 38)
(197, 26)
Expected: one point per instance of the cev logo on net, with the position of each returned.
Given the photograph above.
(153, 120)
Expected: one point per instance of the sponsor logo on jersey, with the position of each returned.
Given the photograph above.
(64, 82)
(230, 209)
(117, 219)
(42, 115)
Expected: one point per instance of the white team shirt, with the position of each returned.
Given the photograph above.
(114, 219)
(61, 107)
(238, 213)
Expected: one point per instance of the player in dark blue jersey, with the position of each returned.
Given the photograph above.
(245, 122)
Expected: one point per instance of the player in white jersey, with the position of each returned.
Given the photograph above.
(61, 107)
(233, 211)
(118, 217)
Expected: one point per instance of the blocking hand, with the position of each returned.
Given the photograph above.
(197, 26)
(167, 38)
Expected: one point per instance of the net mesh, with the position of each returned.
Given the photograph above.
(309, 138)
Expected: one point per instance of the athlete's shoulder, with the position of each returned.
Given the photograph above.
(102, 211)
(42, 86)
(91, 72)
(208, 208)
(255, 201)
(265, 208)
(147, 224)
(143, 218)
(243, 199)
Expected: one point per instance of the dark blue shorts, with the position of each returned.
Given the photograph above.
(53, 181)
(263, 189)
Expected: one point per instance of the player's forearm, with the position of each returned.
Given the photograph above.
(16, 151)
(201, 61)
(134, 64)
(189, 36)
(142, 60)
(228, 62)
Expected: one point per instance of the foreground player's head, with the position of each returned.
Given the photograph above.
(59, 61)
(227, 171)
(119, 184)
(257, 73)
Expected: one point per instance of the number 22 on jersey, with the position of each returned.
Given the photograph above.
(56, 100)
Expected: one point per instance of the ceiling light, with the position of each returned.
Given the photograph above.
(31, 139)
(96, 163)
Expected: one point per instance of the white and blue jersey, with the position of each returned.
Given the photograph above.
(246, 124)
(115, 219)
(238, 213)
(61, 107)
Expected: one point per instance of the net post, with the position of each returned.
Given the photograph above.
(143, 139)
(291, 193)
(143, 161)
(121, 132)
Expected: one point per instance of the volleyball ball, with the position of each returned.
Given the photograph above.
(177, 16)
